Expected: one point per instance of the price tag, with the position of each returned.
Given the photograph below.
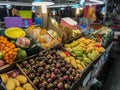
(25, 14)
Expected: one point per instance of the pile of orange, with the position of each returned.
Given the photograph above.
(8, 50)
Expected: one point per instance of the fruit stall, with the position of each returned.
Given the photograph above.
(41, 59)
(64, 55)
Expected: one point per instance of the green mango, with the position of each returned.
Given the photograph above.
(68, 49)
(86, 60)
(90, 56)
(80, 58)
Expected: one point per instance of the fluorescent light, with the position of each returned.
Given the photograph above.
(42, 2)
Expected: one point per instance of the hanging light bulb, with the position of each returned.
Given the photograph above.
(62, 8)
(103, 11)
(8, 6)
(53, 12)
(33, 9)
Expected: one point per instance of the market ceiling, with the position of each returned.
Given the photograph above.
(25, 3)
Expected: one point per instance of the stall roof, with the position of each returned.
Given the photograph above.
(91, 2)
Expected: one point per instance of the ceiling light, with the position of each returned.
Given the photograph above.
(42, 2)
(33, 9)
(62, 8)
(103, 11)
(8, 6)
(53, 12)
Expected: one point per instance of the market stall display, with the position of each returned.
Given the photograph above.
(50, 71)
(84, 49)
(43, 37)
(103, 35)
(15, 79)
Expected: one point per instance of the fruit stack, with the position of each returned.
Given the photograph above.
(76, 63)
(84, 49)
(49, 71)
(15, 81)
(43, 37)
(8, 51)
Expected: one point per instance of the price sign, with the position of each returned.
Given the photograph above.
(25, 14)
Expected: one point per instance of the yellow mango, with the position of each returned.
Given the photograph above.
(80, 67)
(74, 64)
(67, 59)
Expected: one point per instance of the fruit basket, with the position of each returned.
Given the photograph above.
(50, 71)
(14, 78)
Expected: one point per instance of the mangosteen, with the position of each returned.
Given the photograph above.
(32, 76)
(49, 80)
(24, 69)
(36, 58)
(36, 81)
(71, 77)
(28, 71)
(47, 67)
(37, 74)
(78, 75)
(61, 79)
(50, 61)
(65, 77)
(31, 60)
(37, 77)
(60, 85)
(44, 84)
(56, 89)
(52, 65)
(41, 53)
(67, 73)
(56, 71)
(49, 56)
(70, 70)
(63, 64)
(47, 75)
(28, 65)
(73, 73)
(52, 69)
(66, 86)
(34, 66)
(47, 71)
(53, 76)
(58, 65)
(41, 89)
(40, 69)
(60, 60)
(37, 62)
(67, 66)
(42, 79)
(55, 83)
(58, 75)
(37, 65)
(49, 86)
(63, 70)
(24, 63)
(41, 63)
